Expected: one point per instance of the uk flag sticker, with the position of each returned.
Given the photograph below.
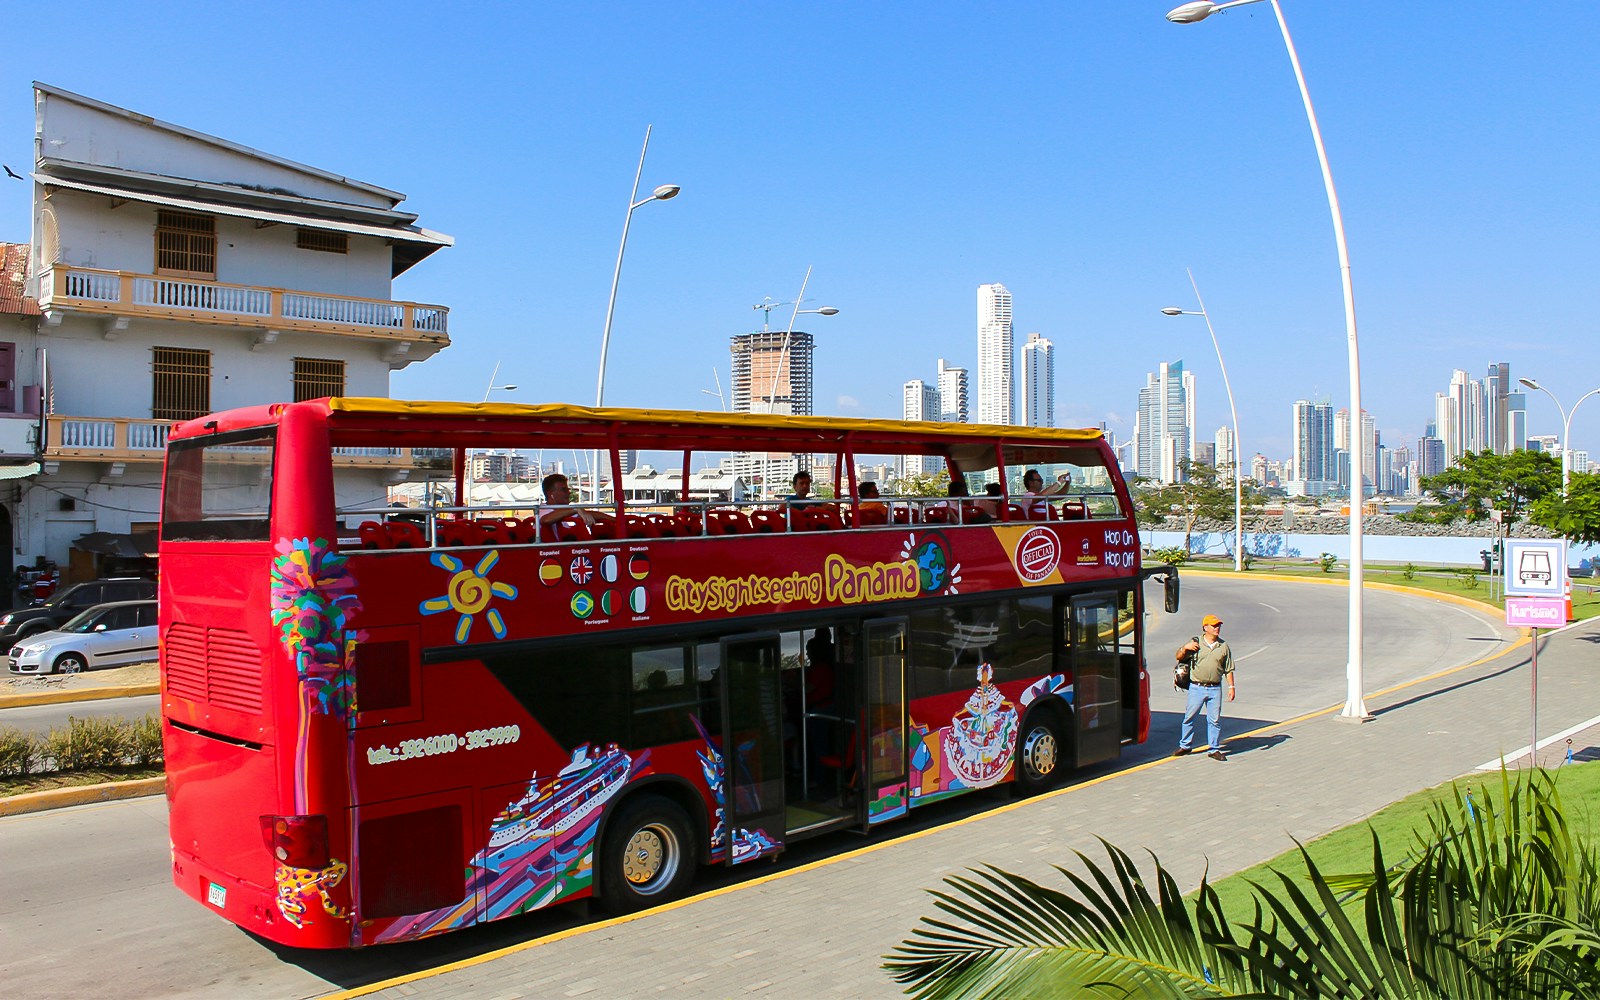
(581, 570)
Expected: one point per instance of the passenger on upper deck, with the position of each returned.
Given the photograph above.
(1033, 485)
(558, 505)
(802, 489)
(867, 493)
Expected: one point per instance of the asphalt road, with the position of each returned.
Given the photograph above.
(43, 718)
(87, 907)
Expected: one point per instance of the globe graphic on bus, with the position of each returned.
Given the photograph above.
(933, 570)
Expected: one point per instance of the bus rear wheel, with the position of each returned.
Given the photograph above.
(647, 857)
(1041, 754)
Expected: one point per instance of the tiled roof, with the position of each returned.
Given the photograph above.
(13, 275)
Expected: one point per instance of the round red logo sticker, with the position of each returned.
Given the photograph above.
(1037, 555)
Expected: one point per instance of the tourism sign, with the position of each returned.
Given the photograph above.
(1536, 612)
(1536, 567)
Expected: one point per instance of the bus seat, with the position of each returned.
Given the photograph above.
(768, 521)
(867, 517)
(524, 531)
(667, 526)
(688, 522)
(1074, 510)
(452, 534)
(823, 518)
(405, 535)
(637, 526)
(903, 515)
(604, 526)
(936, 515)
(726, 522)
(373, 536)
(569, 529)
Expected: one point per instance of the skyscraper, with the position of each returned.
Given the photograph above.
(1224, 451)
(1162, 428)
(771, 374)
(952, 394)
(1313, 469)
(1497, 403)
(996, 400)
(919, 401)
(1038, 382)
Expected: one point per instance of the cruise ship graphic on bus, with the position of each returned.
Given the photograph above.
(579, 790)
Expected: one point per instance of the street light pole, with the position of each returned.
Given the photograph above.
(1566, 426)
(1238, 475)
(1355, 706)
(767, 305)
(662, 193)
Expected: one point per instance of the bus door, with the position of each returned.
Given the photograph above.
(1096, 678)
(752, 746)
(884, 720)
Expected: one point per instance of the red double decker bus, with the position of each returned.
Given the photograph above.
(385, 722)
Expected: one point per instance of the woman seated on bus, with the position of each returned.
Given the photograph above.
(558, 506)
(1033, 486)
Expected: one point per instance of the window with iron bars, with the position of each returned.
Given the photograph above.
(321, 239)
(186, 244)
(317, 377)
(181, 383)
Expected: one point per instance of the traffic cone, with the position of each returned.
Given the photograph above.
(1570, 618)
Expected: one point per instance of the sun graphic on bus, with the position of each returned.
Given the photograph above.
(469, 593)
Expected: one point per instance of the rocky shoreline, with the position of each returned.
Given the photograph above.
(1372, 524)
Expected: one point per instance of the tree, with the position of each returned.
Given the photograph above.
(1496, 899)
(1200, 494)
(922, 484)
(1483, 481)
(1576, 514)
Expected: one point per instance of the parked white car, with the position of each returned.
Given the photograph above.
(106, 635)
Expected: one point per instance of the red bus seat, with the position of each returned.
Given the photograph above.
(867, 517)
(452, 534)
(640, 526)
(525, 531)
(688, 522)
(768, 521)
(726, 522)
(823, 518)
(903, 515)
(1074, 510)
(568, 529)
(604, 526)
(373, 536)
(936, 515)
(495, 531)
(405, 535)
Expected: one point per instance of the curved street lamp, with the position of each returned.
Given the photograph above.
(1355, 706)
(1566, 426)
(1238, 474)
(783, 356)
(664, 192)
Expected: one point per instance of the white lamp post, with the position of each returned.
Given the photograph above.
(1238, 475)
(783, 354)
(662, 193)
(1566, 425)
(1355, 706)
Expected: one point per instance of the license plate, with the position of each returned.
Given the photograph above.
(216, 895)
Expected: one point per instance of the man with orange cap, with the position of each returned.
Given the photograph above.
(1210, 666)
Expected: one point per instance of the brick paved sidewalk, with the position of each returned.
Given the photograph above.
(822, 931)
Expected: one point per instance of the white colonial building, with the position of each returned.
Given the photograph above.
(176, 274)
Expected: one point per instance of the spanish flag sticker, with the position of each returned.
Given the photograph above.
(639, 565)
(608, 569)
(551, 572)
(638, 600)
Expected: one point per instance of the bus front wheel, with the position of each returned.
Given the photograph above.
(648, 858)
(1041, 753)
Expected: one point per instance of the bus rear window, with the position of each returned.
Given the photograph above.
(219, 488)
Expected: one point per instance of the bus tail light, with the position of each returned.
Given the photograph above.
(297, 841)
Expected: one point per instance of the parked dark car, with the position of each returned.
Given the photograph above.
(64, 605)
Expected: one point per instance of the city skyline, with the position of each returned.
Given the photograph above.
(1111, 179)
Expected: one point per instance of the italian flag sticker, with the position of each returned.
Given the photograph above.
(638, 600)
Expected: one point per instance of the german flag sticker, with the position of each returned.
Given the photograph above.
(638, 600)
(639, 565)
(551, 572)
(607, 603)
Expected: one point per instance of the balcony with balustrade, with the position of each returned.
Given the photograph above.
(123, 440)
(414, 330)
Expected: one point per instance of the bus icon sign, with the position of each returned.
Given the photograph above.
(1535, 567)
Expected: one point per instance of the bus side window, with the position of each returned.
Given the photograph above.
(662, 697)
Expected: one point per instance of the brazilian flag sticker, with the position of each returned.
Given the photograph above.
(606, 603)
(582, 604)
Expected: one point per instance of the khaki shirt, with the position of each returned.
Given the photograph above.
(1211, 663)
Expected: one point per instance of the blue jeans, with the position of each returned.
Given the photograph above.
(1209, 700)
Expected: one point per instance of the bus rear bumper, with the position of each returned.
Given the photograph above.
(258, 909)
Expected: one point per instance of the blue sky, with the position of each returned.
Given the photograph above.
(1084, 154)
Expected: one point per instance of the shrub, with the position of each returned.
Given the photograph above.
(1409, 571)
(88, 745)
(1173, 556)
(1327, 561)
(144, 741)
(1469, 578)
(19, 753)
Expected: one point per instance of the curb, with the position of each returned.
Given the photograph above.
(66, 695)
(1492, 610)
(57, 798)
